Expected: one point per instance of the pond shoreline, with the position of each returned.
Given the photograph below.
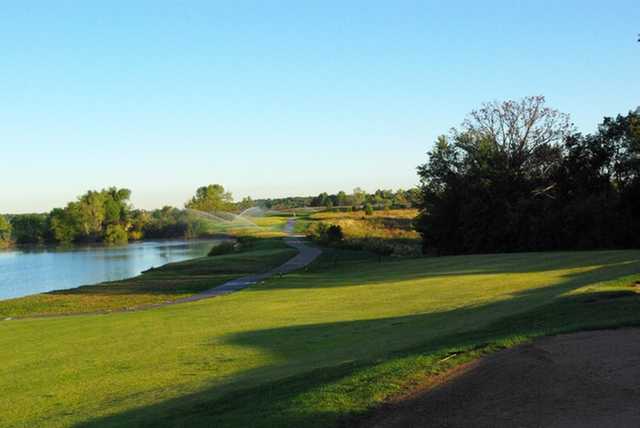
(29, 271)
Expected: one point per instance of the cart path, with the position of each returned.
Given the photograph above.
(306, 255)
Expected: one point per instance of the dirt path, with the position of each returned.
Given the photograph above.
(588, 379)
(306, 255)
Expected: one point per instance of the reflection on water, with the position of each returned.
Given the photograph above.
(32, 270)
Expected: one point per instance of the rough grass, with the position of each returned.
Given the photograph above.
(164, 284)
(314, 348)
(389, 232)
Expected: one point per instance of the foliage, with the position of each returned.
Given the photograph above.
(226, 247)
(380, 199)
(30, 228)
(5, 232)
(88, 219)
(334, 233)
(115, 234)
(326, 233)
(516, 178)
(368, 209)
(210, 199)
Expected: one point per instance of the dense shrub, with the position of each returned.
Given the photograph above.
(115, 234)
(368, 209)
(326, 233)
(225, 247)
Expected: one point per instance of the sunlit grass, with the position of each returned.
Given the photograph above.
(306, 349)
(388, 231)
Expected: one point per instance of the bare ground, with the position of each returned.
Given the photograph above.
(587, 379)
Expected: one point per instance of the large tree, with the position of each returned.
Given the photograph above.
(210, 199)
(479, 180)
(515, 177)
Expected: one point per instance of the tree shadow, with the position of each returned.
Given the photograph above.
(340, 268)
(317, 357)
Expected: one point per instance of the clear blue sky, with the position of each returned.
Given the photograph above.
(274, 98)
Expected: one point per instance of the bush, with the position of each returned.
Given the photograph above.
(326, 233)
(246, 241)
(116, 234)
(334, 233)
(368, 209)
(226, 247)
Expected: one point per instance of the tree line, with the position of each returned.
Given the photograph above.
(516, 176)
(107, 216)
(358, 199)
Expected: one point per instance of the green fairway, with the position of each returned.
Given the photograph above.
(310, 348)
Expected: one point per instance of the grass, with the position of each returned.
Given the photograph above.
(388, 232)
(314, 348)
(164, 284)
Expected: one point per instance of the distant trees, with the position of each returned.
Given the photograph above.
(107, 216)
(5, 232)
(88, 219)
(30, 228)
(380, 199)
(516, 176)
(210, 199)
(245, 204)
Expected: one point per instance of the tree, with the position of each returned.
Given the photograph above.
(516, 130)
(245, 204)
(341, 199)
(116, 205)
(29, 228)
(5, 232)
(63, 225)
(482, 187)
(210, 199)
(88, 218)
(115, 234)
(139, 220)
(358, 197)
(368, 209)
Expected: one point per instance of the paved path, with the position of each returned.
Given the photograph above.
(306, 255)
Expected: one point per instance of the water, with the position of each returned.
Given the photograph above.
(27, 271)
(224, 219)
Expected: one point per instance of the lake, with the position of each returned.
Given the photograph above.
(25, 271)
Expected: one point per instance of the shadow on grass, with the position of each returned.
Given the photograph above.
(347, 382)
(340, 267)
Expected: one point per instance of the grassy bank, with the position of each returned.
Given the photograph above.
(164, 284)
(312, 348)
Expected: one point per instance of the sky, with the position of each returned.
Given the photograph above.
(281, 98)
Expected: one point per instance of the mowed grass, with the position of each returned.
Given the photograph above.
(313, 348)
(160, 285)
